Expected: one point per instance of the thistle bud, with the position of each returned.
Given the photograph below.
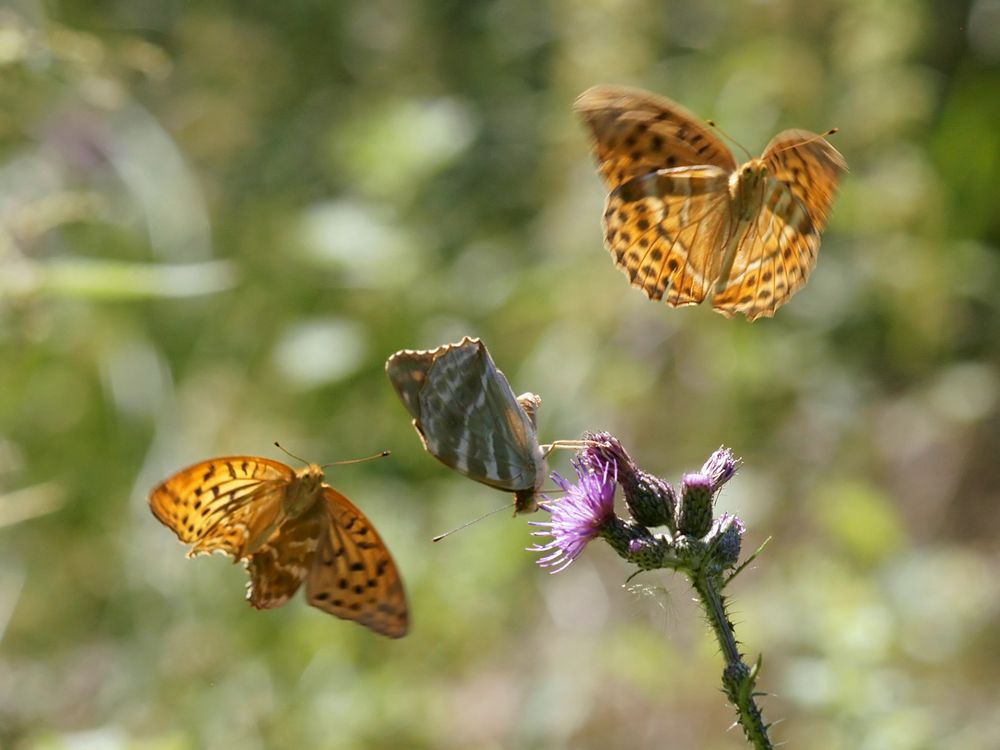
(695, 509)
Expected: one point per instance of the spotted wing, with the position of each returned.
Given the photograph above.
(779, 251)
(353, 575)
(636, 132)
(281, 564)
(666, 230)
(224, 503)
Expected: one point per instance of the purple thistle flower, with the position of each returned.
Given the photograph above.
(721, 466)
(578, 516)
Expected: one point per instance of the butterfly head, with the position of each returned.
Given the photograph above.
(304, 490)
(747, 187)
(753, 171)
(526, 501)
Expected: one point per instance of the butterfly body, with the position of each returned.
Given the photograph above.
(685, 223)
(303, 491)
(468, 417)
(288, 527)
(747, 187)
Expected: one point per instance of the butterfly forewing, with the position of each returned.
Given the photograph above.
(636, 132)
(407, 372)
(810, 168)
(222, 504)
(354, 576)
(675, 220)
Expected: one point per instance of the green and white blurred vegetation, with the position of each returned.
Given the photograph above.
(217, 220)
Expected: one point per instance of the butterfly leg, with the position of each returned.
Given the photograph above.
(572, 445)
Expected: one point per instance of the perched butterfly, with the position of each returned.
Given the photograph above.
(469, 419)
(288, 527)
(684, 222)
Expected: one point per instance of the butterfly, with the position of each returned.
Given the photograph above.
(288, 527)
(468, 418)
(684, 222)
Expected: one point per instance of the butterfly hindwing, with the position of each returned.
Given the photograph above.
(660, 229)
(279, 566)
(772, 262)
(353, 575)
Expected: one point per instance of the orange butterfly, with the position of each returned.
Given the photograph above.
(288, 527)
(684, 222)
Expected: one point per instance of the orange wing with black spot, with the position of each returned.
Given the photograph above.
(781, 245)
(354, 576)
(222, 504)
(241, 506)
(678, 208)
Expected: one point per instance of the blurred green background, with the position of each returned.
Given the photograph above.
(216, 221)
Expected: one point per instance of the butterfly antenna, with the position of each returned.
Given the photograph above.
(380, 454)
(467, 524)
(819, 137)
(714, 124)
(287, 452)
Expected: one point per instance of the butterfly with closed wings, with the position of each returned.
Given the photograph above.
(684, 222)
(468, 418)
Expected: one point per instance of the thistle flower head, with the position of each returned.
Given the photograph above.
(604, 448)
(579, 515)
(649, 499)
(721, 466)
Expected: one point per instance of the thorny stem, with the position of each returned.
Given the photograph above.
(689, 557)
(738, 679)
(694, 543)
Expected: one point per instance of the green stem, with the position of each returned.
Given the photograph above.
(738, 679)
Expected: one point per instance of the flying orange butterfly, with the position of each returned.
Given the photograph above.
(288, 527)
(683, 222)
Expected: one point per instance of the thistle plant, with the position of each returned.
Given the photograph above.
(667, 530)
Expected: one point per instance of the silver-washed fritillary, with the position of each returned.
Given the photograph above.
(684, 222)
(468, 418)
(288, 527)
